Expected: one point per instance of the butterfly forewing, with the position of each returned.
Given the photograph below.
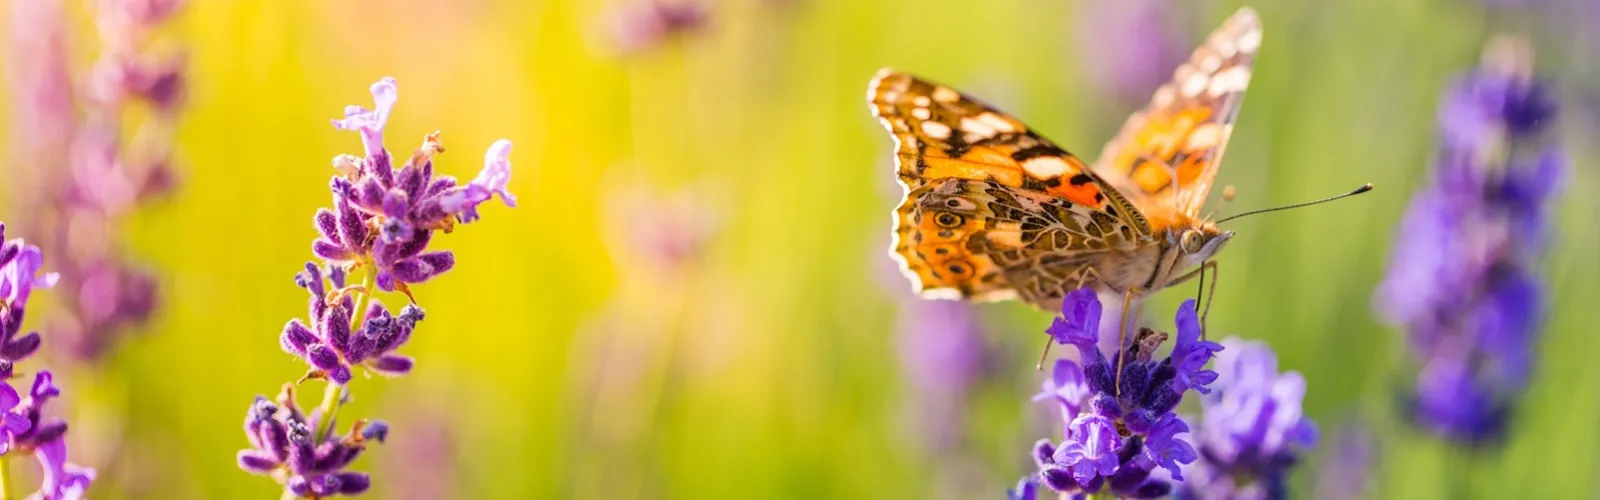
(1166, 156)
(987, 198)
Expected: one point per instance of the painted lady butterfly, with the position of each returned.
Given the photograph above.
(994, 211)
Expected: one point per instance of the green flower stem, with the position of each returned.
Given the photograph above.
(5, 478)
(334, 395)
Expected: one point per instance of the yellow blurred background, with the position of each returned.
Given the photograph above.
(692, 299)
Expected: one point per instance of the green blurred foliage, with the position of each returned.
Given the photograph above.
(558, 362)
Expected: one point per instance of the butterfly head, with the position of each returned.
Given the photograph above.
(1198, 244)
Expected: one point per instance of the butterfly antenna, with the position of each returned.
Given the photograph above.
(1359, 190)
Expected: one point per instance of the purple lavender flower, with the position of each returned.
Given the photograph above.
(1251, 427)
(635, 28)
(380, 225)
(1461, 280)
(941, 351)
(329, 345)
(89, 174)
(1131, 46)
(23, 428)
(19, 276)
(1027, 489)
(1121, 427)
(39, 431)
(62, 480)
(283, 443)
(1348, 470)
(405, 206)
(11, 423)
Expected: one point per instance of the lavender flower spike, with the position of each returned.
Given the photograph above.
(1120, 428)
(371, 122)
(1252, 430)
(1463, 279)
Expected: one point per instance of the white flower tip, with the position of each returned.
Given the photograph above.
(385, 92)
(497, 171)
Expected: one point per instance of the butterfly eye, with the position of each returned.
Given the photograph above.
(948, 220)
(1192, 241)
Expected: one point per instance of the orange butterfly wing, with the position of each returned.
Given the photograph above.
(987, 200)
(1166, 156)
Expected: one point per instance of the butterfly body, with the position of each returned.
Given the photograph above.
(994, 211)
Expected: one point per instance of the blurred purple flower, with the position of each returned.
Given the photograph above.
(1251, 427)
(1348, 470)
(1121, 428)
(88, 174)
(1131, 46)
(646, 24)
(329, 345)
(405, 206)
(283, 444)
(423, 463)
(942, 356)
(1462, 279)
(62, 480)
(662, 229)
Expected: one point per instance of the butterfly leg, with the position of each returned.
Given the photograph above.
(1122, 332)
(1207, 293)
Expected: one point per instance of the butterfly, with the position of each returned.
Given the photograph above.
(994, 211)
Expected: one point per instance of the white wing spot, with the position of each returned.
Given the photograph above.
(1225, 47)
(921, 101)
(936, 130)
(1233, 79)
(1045, 167)
(921, 113)
(999, 124)
(1208, 62)
(1205, 137)
(944, 94)
(1164, 96)
(976, 127)
(1194, 84)
(1250, 41)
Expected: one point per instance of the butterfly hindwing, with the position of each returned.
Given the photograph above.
(953, 150)
(1166, 156)
(962, 238)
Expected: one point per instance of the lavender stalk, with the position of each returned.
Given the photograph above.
(379, 226)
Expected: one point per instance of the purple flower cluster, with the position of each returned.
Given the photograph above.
(89, 174)
(383, 217)
(1131, 46)
(380, 225)
(285, 441)
(1251, 429)
(1462, 280)
(329, 344)
(23, 426)
(1120, 426)
(646, 24)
